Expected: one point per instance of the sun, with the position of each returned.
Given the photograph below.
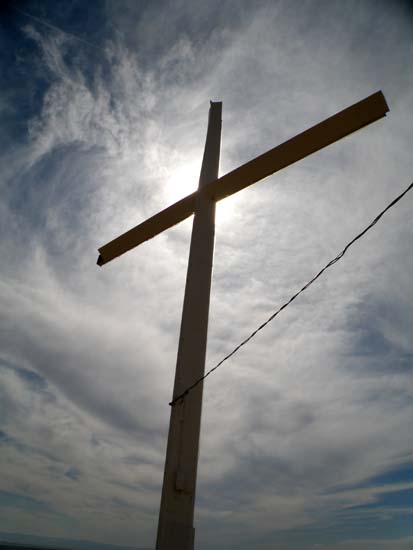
(183, 180)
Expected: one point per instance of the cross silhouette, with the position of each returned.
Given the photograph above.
(175, 527)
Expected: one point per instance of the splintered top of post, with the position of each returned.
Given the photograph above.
(315, 138)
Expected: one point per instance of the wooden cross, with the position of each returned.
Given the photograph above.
(175, 528)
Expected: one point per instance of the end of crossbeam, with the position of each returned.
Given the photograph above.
(100, 260)
(386, 108)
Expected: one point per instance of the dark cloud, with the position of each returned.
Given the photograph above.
(73, 473)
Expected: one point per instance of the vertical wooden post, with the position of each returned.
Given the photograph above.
(176, 516)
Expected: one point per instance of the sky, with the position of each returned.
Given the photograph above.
(306, 440)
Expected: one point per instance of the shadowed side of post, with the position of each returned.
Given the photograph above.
(175, 529)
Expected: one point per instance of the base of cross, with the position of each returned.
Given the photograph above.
(176, 535)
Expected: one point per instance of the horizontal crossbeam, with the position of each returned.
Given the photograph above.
(315, 138)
